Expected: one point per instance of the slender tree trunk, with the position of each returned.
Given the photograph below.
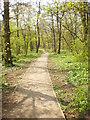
(17, 21)
(72, 37)
(36, 47)
(84, 20)
(88, 17)
(17, 45)
(57, 22)
(59, 46)
(1, 50)
(38, 44)
(27, 48)
(75, 15)
(8, 57)
(43, 40)
(36, 40)
(31, 44)
(52, 38)
(53, 33)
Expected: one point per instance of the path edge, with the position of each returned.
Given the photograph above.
(54, 92)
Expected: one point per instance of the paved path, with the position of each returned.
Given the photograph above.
(35, 97)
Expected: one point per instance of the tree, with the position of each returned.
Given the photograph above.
(38, 30)
(16, 12)
(7, 57)
(53, 31)
(84, 18)
(59, 46)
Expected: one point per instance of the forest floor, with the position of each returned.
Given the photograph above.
(32, 95)
(56, 78)
(58, 70)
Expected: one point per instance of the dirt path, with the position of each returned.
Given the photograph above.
(34, 97)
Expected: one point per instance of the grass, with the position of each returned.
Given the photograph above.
(78, 70)
(78, 77)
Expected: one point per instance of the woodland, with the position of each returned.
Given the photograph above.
(62, 30)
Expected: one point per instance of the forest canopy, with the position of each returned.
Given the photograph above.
(56, 25)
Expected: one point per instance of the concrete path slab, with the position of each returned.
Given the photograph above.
(35, 98)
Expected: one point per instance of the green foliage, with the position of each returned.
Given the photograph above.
(77, 69)
(4, 81)
(62, 95)
(79, 76)
(79, 99)
(20, 59)
(55, 86)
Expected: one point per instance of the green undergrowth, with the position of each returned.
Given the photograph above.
(77, 70)
(18, 63)
(20, 59)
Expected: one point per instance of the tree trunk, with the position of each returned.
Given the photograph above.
(52, 38)
(53, 33)
(57, 20)
(17, 45)
(27, 48)
(59, 46)
(8, 57)
(36, 40)
(25, 44)
(43, 40)
(38, 45)
(75, 16)
(31, 44)
(1, 50)
(84, 17)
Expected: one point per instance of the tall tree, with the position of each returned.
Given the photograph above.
(38, 30)
(84, 13)
(17, 21)
(59, 46)
(8, 57)
(53, 31)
